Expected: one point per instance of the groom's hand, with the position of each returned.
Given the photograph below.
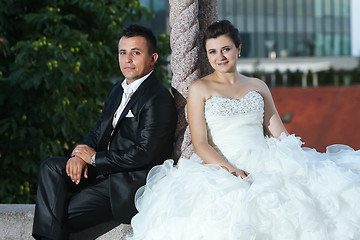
(75, 166)
(84, 152)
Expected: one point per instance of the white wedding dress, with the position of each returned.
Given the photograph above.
(291, 192)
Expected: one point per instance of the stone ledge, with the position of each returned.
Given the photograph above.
(16, 224)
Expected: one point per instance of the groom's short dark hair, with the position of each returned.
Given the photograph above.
(135, 30)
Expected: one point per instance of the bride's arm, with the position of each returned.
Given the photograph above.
(196, 117)
(272, 121)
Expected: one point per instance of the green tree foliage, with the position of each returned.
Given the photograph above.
(58, 60)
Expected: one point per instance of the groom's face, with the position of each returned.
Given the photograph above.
(135, 60)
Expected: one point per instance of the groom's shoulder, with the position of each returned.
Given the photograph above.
(156, 89)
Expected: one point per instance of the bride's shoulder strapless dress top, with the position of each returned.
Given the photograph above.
(291, 193)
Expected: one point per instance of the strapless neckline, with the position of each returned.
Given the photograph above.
(234, 99)
(251, 102)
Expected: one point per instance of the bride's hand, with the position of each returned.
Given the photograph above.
(237, 172)
(240, 173)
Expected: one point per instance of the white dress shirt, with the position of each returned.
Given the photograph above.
(129, 90)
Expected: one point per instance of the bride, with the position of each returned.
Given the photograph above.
(240, 184)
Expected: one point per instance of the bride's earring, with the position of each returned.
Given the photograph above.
(239, 54)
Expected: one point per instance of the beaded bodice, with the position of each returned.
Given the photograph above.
(235, 123)
(250, 102)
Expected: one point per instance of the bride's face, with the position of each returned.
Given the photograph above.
(222, 53)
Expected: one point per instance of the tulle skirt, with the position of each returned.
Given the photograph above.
(291, 193)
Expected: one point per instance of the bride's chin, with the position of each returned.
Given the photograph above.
(224, 70)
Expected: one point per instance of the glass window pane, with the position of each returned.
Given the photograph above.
(220, 9)
(318, 11)
(270, 15)
(337, 8)
(309, 16)
(145, 3)
(299, 16)
(346, 8)
(261, 45)
(328, 48)
(290, 20)
(337, 45)
(253, 45)
(240, 15)
(346, 17)
(250, 16)
(346, 45)
(280, 16)
(319, 45)
(229, 11)
(281, 46)
(291, 44)
(260, 14)
(246, 48)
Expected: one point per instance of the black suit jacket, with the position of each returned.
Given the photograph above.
(137, 144)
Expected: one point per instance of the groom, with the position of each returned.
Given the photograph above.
(134, 133)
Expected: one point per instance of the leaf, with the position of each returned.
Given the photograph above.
(14, 76)
(4, 126)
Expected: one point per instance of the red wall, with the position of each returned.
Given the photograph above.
(321, 116)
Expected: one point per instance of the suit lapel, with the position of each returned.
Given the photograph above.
(150, 80)
(107, 122)
(114, 106)
(116, 102)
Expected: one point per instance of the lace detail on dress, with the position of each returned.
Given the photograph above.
(251, 102)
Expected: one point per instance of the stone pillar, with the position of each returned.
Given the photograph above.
(304, 80)
(315, 79)
(285, 79)
(273, 79)
(188, 19)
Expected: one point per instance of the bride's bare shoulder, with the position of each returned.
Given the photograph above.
(256, 84)
(201, 85)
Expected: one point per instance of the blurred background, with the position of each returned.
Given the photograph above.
(307, 51)
(58, 59)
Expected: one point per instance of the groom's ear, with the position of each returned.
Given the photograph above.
(154, 58)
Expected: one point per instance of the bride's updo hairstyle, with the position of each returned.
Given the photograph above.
(223, 27)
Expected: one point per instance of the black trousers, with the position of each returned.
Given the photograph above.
(63, 207)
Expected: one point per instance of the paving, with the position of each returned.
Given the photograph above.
(16, 224)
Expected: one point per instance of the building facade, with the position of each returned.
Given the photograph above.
(287, 28)
(160, 8)
(290, 27)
